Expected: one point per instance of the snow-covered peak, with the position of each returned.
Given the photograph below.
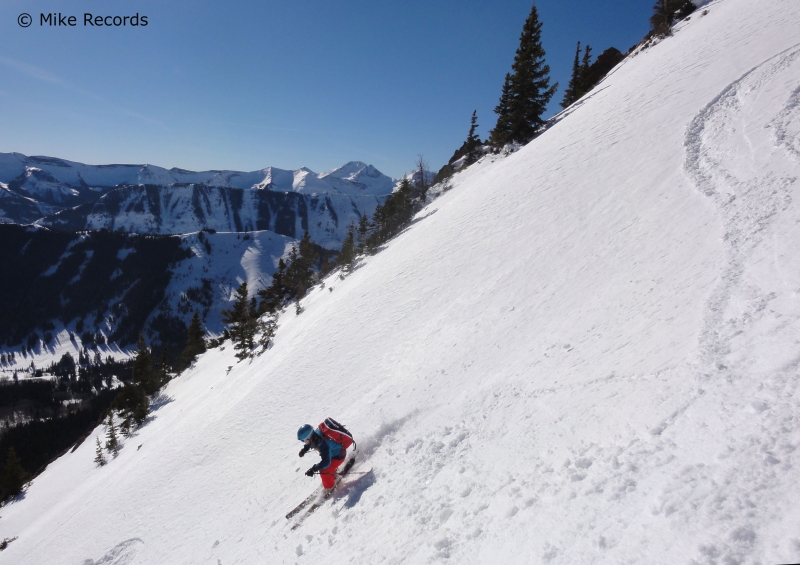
(43, 186)
(356, 177)
(346, 171)
(12, 165)
(150, 174)
(281, 180)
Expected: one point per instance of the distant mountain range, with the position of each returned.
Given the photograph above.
(71, 196)
(109, 286)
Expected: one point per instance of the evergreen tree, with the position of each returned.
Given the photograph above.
(133, 405)
(373, 237)
(14, 476)
(395, 213)
(99, 458)
(290, 278)
(529, 87)
(584, 75)
(142, 371)
(347, 256)
(389, 218)
(300, 274)
(112, 442)
(305, 262)
(126, 426)
(273, 296)
(362, 233)
(501, 134)
(421, 171)
(473, 142)
(165, 367)
(195, 341)
(252, 308)
(666, 12)
(266, 327)
(574, 80)
(242, 323)
(661, 20)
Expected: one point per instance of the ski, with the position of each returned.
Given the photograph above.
(303, 504)
(317, 497)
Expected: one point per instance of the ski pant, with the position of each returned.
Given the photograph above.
(328, 474)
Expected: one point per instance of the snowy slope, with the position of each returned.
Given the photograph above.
(233, 259)
(585, 352)
(15, 207)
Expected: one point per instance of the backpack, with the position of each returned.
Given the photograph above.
(333, 430)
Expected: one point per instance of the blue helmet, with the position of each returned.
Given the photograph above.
(305, 432)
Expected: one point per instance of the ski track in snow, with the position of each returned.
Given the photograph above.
(121, 554)
(732, 159)
(749, 197)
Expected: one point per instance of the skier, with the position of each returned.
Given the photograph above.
(331, 452)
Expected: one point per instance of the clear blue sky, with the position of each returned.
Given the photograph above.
(245, 85)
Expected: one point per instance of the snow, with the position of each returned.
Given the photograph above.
(584, 352)
(234, 258)
(186, 201)
(42, 356)
(12, 165)
(11, 202)
(356, 178)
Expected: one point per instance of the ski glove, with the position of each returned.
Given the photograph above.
(303, 451)
(310, 472)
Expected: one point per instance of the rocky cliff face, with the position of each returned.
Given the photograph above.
(72, 196)
(186, 208)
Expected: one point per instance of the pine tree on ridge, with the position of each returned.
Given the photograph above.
(473, 142)
(13, 476)
(347, 256)
(527, 90)
(112, 441)
(99, 458)
(242, 319)
(584, 74)
(570, 94)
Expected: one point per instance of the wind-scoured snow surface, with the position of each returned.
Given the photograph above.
(586, 352)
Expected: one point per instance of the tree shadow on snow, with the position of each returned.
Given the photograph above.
(18, 498)
(156, 403)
